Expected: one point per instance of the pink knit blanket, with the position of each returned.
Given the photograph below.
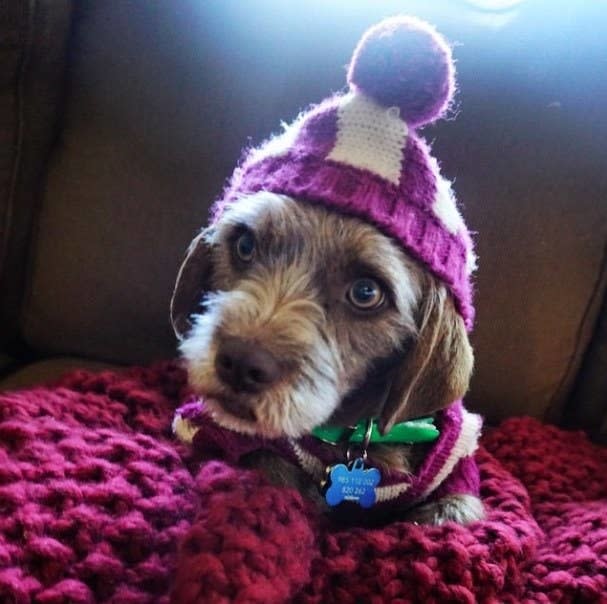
(99, 503)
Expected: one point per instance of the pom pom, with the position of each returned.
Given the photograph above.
(404, 62)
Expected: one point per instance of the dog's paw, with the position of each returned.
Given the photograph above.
(462, 509)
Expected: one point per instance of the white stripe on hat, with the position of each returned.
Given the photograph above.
(444, 206)
(369, 136)
(471, 261)
(445, 209)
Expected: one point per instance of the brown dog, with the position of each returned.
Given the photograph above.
(330, 298)
(311, 317)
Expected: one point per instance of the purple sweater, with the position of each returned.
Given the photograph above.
(449, 467)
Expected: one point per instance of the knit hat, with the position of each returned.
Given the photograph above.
(359, 153)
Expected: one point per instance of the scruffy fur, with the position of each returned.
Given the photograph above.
(337, 364)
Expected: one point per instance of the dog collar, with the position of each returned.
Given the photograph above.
(421, 430)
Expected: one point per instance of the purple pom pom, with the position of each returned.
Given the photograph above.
(404, 62)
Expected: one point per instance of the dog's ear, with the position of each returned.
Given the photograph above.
(436, 369)
(193, 280)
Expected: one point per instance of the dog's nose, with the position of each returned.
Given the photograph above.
(244, 367)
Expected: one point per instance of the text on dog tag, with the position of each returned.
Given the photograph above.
(352, 482)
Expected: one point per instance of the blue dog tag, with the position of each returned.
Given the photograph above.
(352, 483)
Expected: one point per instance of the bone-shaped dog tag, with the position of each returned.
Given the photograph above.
(352, 482)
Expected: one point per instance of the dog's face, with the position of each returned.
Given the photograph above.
(291, 315)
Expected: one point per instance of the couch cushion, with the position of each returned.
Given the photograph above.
(49, 370)
(162, 101)
(5, 363)
(587, 408)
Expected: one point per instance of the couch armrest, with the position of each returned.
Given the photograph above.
(33, 41)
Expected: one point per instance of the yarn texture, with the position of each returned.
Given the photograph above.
(100, 503)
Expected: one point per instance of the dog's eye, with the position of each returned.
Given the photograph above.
(365, 294)
(245, 246)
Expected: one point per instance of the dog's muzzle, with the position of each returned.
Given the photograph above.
(245, 367)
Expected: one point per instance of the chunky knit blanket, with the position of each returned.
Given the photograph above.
(99, 503)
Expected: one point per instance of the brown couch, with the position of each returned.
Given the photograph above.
(121, 120)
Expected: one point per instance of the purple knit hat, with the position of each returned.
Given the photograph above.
(358, 152)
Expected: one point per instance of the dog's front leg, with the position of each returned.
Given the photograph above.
(462, 509)
(282, 473)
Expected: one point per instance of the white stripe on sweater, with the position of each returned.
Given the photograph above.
(465, 445)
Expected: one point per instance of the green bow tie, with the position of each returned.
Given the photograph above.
(420, 430)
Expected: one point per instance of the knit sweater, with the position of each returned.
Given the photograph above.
(447, 469)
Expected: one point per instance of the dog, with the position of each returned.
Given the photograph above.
(287, 342)
(305, 303)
